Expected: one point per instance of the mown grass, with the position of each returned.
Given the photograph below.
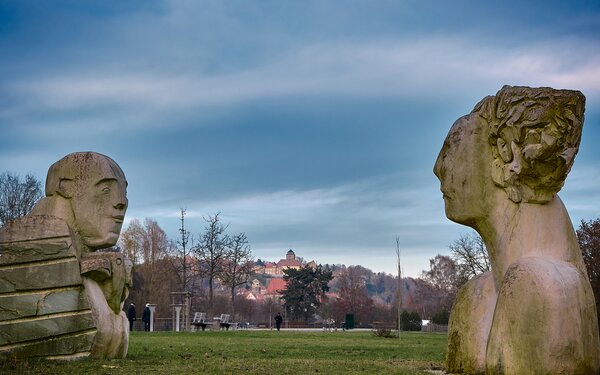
(257, 352)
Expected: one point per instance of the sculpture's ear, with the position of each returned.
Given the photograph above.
(65, 188)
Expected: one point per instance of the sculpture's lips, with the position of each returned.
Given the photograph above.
(119, 218)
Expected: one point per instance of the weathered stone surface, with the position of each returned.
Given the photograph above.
(40, 276)
(500, 169)
(66, 346)
(31, 251)
(23, 305)
(33, 228)
(470, 322)
(112, 272)
(58, 299)
(544, 297)
(112, 338)
(44, 326)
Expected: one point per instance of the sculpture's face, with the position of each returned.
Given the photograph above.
(99, 206)
(463, 168)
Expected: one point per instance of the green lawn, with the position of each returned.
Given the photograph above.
(258, 352)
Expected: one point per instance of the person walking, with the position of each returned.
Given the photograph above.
(131, 316)
(146, 318)
(278, 320)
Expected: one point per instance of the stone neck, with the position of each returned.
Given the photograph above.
(514, 231)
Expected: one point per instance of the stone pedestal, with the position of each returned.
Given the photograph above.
(177, 317)
(152, 308)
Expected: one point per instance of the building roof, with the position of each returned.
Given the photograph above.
(289, 263)
(276, 285)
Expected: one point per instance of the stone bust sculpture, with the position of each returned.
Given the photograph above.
(58, 258)
(88, 191)
(500, 169)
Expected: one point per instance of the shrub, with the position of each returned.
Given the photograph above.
(384, 332)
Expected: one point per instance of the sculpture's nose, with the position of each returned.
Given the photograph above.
(120, 206)
(121, 201)
(437, 168)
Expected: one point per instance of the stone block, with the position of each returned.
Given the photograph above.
(75, 345)
(39, 276)
(32, 251)
(33, 228)
(14, 306)
(16, 331)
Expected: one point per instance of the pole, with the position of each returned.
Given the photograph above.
(399, 286)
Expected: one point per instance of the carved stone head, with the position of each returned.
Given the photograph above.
(523, 141)
(95, 188)
(535, 135)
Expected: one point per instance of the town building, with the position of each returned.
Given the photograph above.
(290, 261)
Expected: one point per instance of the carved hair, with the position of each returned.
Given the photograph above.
(534, 136)
(80, 166)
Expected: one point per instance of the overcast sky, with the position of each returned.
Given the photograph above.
(310, 125)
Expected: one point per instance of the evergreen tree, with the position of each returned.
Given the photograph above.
(305, 290)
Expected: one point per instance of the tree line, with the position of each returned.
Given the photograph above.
(162, 266)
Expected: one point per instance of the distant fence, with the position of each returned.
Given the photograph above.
(426, 328)
(431, 327)
(166, 324)
(160, 324)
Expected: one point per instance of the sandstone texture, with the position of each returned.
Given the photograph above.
(500, 169)
(61, 291)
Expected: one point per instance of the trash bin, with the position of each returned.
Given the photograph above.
(349, 323)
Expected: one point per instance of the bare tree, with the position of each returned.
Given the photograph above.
(470, 254)
(184, 262)
(132, 241)
(353, 294)
(445, 276)
(151, 250)
(156, 244)
(238, 265)
(211, 251)
(17, 197)
(588, 237)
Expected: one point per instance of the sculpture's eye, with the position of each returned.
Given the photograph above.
(106, 189)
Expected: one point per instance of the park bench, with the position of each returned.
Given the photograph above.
(224, 321)
(329, 325)
(199, 320)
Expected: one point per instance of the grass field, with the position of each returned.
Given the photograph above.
(258, 352)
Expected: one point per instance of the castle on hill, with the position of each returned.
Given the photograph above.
(274, 272)
(275, 269)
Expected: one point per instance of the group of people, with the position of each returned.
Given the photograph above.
(131, 316)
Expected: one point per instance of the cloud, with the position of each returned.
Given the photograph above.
(188, 97)
(340, 224)
(581, 194)
(394, 68)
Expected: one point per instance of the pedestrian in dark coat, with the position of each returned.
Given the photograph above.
(131, 316)
(278, 320)
(146, 318)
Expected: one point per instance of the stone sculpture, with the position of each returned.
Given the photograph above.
(61, 286)
(500, 169)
